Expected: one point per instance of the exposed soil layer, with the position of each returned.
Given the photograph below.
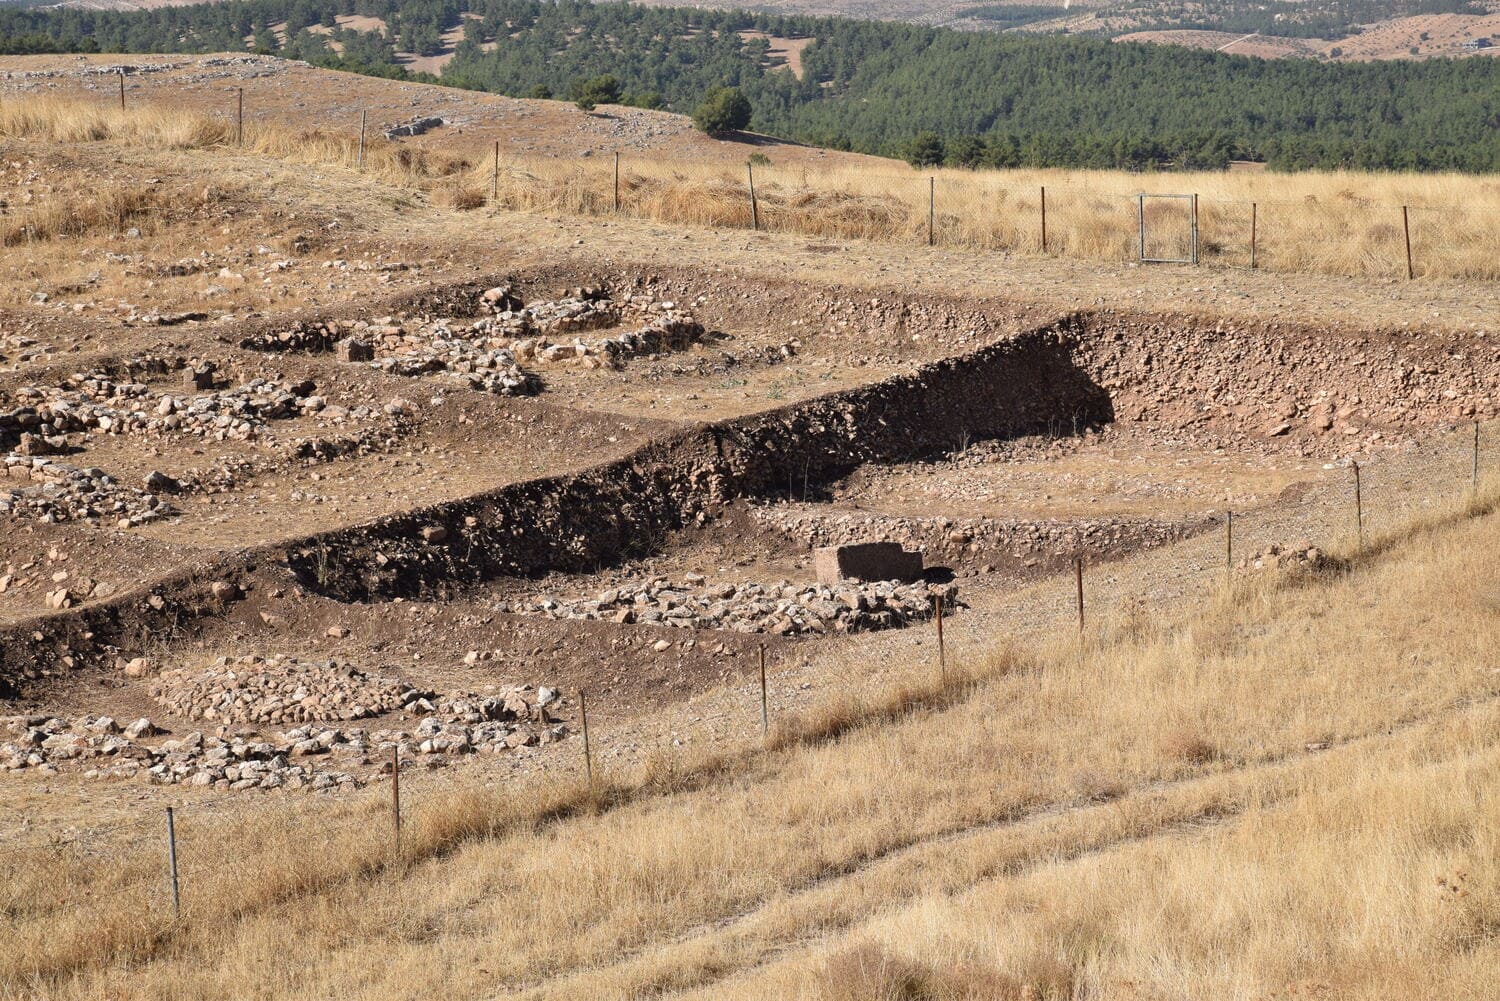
(598, 495)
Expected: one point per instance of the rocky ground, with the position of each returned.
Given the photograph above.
(781, 608)
(239, 698)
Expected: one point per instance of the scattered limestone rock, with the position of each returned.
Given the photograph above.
(784, 609)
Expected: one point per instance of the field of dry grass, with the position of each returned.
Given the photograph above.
(1284, 791)
(1327, 223)
(1321, 223)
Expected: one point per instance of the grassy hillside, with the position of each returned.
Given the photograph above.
(1289, 790)
(1331, 223)
(870, 86)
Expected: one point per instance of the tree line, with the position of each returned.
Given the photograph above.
(874, 87)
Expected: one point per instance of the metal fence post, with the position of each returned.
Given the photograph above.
(1195, 227)
(765, 710)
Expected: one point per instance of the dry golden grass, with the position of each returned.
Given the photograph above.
(104, 208)
(1339, 223)
(1335, 223)
(1052, 826)
(58, 120)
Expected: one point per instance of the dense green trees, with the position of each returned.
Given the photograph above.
(990, 100)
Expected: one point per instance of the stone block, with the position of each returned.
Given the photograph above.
(867, 561)
(352, 349)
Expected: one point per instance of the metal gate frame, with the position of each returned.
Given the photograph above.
(1192, 257)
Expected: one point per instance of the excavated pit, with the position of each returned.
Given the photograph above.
(1257, 392)
(1099, 433)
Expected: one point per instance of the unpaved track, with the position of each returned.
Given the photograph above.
(914, 861)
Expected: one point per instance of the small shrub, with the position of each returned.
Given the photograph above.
(588, 94)
(1188, 745)
(925, 149)
(461, 196)
(723, 110)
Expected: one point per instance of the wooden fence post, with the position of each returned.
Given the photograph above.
(239, 117)
(1229, 544)
(1406, 229)
(1474, 469)
(396, 795)
(362, 115)
(588, 756)
(937, 601)
(172, 848)
(122, 90)
(1253, 213)
(617, 182)
(1078, 577)
(1044, 218)
(754, 209)
(765, 713)
(495, 175)
(1359, 509)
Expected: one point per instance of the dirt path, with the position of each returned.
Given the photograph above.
(825, 907)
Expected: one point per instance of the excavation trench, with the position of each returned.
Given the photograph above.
(1253, 384)
(629, 507)
(1259, 386)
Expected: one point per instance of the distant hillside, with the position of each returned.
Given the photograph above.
(999, 100)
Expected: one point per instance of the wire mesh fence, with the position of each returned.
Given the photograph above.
(1346, 224)
(1337, 232)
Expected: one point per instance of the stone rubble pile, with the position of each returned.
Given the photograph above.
(279, 690)
(662, 326)
(487, 354)
(223, 67)
(413, 127)
(784, 609)
(17, 348)
(1300, 555)
(45, 490)
(438, 347)
(95, 402)
(309, 756)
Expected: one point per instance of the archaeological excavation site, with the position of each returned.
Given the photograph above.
(276, 554)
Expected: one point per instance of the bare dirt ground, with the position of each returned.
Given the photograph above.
(405, 522)
(1422, 36)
